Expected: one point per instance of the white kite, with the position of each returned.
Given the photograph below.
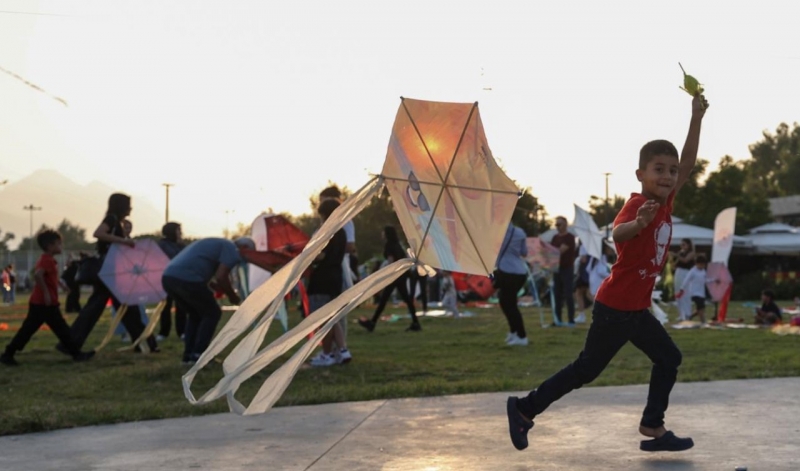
(454, 204)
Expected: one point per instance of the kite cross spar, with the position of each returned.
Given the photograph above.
(453, 202)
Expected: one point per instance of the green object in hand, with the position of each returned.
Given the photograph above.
(690, 84)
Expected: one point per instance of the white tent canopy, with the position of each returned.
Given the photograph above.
(697, 234)
(775, 238)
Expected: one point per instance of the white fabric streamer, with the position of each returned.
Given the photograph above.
(245, 360)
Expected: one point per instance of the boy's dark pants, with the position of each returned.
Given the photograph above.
(563, 288)
(203, 311)
(610, 330)
(37, 315)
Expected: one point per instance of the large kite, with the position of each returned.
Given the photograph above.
(454, 203)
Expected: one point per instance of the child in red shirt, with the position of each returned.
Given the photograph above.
(43, 305)
(642, 233)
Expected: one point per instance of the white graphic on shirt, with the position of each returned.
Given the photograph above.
(662, 235)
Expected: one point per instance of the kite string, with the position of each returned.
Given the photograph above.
(34, 86)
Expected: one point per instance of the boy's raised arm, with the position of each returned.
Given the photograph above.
(689, 152)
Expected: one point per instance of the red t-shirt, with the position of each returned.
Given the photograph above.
(639, 260)
(49, 266)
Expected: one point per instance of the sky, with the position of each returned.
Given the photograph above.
(250, 105)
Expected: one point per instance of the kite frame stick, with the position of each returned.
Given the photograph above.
(452, 186)
(152, 322)
(112, 326)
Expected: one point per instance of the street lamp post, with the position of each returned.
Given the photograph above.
(31, 208)
(608, 207)
(166, 215)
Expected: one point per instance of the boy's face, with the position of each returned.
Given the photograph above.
(55, 248)
(701, 266)
(659, 176)
(765, 298)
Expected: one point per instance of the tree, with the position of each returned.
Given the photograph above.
(775, 165)
(369, 225)
(700, 204)
(4, 240)
(529, 215)
(73, 237)
(723, 189)
(597, 208)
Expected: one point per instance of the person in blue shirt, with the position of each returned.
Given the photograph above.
(510, 276)
(189, 279)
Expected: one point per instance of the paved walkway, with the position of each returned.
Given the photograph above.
(753, 423)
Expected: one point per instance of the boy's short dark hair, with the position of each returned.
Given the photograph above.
(331, 192)
(47, 237)
(327, 207)
(654, 148)
(701, 258)
(769, 293)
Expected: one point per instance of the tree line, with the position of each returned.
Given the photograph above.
(773, 170)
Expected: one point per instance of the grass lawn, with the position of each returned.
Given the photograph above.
(450, 356)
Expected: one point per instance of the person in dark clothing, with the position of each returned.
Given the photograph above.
(324, 285)
(769, 313)
(110, 231)
(43, 304)
(563, 278)
(73, 302)
(393, 251)
(171, 244)
(414, 279)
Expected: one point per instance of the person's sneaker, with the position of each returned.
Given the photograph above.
(516, 340)
(83, 356)
(414, 327)
(343, 356)
(190, 360)
(160, 338)
(510, 336)
(8, 360)
(580, 318)
(323, 359)
(517, 425)
(183, 337)
(367, 324)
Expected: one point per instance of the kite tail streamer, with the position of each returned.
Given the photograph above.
(326, 317)
(112, 326)
(269, 296)
(152, 322)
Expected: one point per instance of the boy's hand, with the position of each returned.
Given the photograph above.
(699, 106)
(47, 300)
(646, 213)
(679, 295)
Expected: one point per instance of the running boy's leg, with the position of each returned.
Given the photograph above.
(652, 339)
(609, 331)
(30, 325)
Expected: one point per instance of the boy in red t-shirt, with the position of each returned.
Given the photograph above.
(43, 306)
(642, 233)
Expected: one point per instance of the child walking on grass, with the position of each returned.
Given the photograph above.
(694, 285)
(642, 233)
(43, 305)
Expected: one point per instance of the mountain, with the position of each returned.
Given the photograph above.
(60, 198)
